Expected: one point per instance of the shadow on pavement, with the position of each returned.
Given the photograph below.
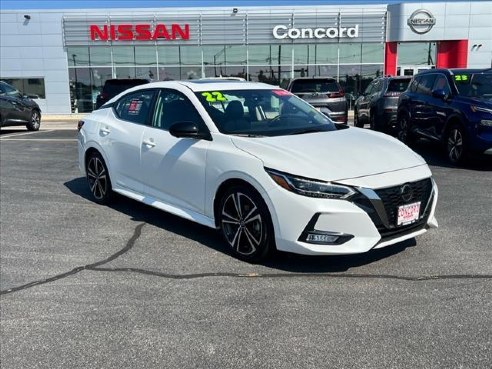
(212, 239)
(435, 155)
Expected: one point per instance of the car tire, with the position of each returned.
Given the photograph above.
(34, 121)
(403, 126)
(456, 145)
(246, 224)
(98, 178)
(357, 122)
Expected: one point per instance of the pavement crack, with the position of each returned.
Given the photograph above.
(294, 275)
(130, 243)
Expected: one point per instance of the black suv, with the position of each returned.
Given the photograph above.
(323, 93)
(377, 106)
(17, 109)
(113, 87)
(453, 106)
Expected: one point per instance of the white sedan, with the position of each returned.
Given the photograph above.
(258, 163)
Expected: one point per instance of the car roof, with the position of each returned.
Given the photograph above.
(456, 70)
(198, 85)
(311, 78)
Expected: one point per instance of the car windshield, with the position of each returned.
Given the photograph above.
(314, 85)
(9, 90)
(262, 113)
(398, 85)
(476, 85)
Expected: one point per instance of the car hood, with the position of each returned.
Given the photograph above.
(331, 156)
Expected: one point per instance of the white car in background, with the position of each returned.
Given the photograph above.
(258, 163)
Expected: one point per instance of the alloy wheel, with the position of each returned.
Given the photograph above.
(242, 223)
(455, 145)
(403, 129)
(97, 177)
(35, 121)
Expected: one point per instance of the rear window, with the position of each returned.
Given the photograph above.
(398, 85)
(114, 87)
(315, 85)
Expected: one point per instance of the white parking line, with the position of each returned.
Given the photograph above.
(25, 133)
(40, 139)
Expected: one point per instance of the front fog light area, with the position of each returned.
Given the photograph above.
(324, 238)
(314, 236)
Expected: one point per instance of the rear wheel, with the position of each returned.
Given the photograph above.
(246, 224)
(98, 178)
(455, 145)
(34, 122)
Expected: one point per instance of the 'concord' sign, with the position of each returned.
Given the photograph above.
(281, 32)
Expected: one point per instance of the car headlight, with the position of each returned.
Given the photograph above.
(310, 187)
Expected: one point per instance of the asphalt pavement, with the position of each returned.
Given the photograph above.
(128, 286)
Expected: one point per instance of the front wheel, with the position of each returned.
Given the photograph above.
(455, 145)
(246, 224)
(98, 178)
(34, 122)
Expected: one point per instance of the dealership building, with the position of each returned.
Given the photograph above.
(63, 57)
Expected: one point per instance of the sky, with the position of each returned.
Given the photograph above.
(95, 4)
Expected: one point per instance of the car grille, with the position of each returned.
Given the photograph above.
(392, 199)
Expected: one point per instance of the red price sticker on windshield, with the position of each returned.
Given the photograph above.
(281, 92)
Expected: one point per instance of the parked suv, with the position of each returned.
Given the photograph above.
(113, 87)
(323, 93)
(453, 106)
(377, 106)
(17, 109)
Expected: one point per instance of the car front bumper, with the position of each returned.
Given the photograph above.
(295, 215)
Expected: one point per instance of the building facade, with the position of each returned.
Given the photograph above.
(63, 57)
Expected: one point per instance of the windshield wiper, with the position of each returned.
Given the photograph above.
(246, 135)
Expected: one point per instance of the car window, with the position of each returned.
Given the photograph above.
(478, 85)
(135, 107)
(262, 113)
(315, 85)
(8, 90)
(173, 107)
(377, 87)
(369, 89)
(398, 85)
(426, 83)
(414, 84)
(441, 83)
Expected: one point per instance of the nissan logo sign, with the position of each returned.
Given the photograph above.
(406, 192)
(281, 32)
(421, 21)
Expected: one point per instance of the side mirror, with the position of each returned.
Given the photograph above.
(188, 130)
(440, 94)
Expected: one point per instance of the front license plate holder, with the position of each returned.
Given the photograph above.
(408, 214)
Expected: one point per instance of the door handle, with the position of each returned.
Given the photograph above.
(149, 143)
(105, 130)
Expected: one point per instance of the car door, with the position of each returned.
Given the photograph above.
(174, 168)
(363, 103)
(120, 136)
(422, 109)
(442, 106)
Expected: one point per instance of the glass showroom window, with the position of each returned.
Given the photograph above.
(31, 87)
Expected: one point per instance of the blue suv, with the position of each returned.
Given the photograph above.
(453, 106)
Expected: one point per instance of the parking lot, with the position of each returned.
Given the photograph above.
(126, 285)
